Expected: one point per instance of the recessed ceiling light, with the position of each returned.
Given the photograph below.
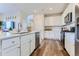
(35, 11)
(50, 8)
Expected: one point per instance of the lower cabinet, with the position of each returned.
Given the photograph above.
(70, 43)
(18, 46)
(25, 45)
(0, 52)
(32, 42)
(55, 33)
(0, 48)
(12, 51)
(25, 49)
(11, 47)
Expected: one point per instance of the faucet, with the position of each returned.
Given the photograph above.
(19, 27)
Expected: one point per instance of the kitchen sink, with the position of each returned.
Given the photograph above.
(19, 32)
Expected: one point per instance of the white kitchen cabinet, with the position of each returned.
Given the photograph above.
(0, 48)
(55, 33)
(0, 52)
(32, 42)
(50, 35)
(25, 45)
(11, 47)
(10, 42)
(47, 34)
(12, 51)
(22, 45)
(25, 49)
(70, 43)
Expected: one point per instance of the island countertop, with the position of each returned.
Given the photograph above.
(6, 35)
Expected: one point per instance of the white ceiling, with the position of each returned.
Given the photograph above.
(29, 8)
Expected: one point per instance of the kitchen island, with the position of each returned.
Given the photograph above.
(17, 44)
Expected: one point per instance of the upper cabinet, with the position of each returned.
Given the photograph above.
(54, 20)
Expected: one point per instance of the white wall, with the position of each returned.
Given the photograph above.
(53, 20)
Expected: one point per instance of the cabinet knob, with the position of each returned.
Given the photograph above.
(13, 41)
(19, 47)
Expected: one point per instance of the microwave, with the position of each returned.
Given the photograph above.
(68, 18)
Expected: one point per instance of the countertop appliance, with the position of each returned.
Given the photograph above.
(68, 18)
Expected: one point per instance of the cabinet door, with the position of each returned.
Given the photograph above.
(67, 44)
(47, 35)
(25, 45)
(70, 43)
(0, 52)
(25, 49)
(12, 51)
(10, 42)
(32, 42)
(0, 48)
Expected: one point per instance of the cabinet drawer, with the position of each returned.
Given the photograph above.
(12, 51)
(0, 52)
(10, 42)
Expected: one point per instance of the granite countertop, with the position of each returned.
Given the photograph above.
(5, 35)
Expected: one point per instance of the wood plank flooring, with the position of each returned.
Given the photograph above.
(50, 48)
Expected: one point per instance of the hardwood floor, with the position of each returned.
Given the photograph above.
(50, 48)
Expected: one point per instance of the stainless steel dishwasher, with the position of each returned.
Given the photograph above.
(37, 39)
